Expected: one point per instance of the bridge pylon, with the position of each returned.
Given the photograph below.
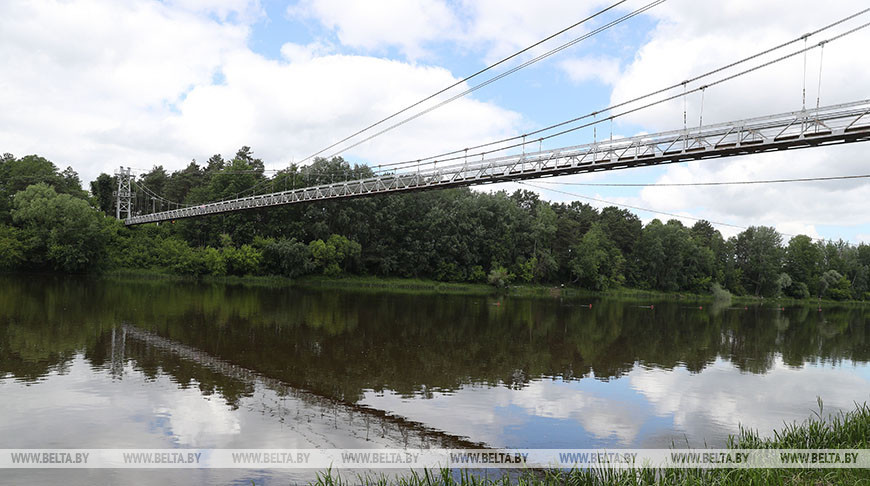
(124, 202)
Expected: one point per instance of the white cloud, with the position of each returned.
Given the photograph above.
(603, 69)
(692, 38)
(96, 84)
(376, 24)
(194, 419)
(602, 417)
(301, 107)
(243, 10)
(497, 27)
(509, 25)
(491, 413)
(301, 53)
(83, 80)
(709, 405)
(703, 407)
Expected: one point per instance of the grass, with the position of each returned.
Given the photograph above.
(844, 430)
(417, 286)
(140, 274)
(424, 286)
(398, 285)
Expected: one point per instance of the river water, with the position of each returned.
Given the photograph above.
(110, 363)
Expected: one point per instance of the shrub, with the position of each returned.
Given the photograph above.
(500, 277)
(720, 294)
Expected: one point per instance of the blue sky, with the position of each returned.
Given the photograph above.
(95, 84)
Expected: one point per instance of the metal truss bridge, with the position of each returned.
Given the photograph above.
(831, 125)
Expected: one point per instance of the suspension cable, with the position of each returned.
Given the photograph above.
(666, 99)
(677, 96)
(385, 168)
(465, 79)
(153, 194)
(639, 98)
(819, 90)
(804, 95)
(500, 76)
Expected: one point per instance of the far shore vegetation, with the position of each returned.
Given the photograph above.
(718, 297)
(455, 240)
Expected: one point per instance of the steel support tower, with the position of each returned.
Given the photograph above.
(124, 202)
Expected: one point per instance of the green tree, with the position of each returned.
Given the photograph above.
(153, 196)
(842, 290)
(335, 255)
(17, 174)
(759, 256)
(11, 248)
(542, 264)
(573, 221)
(622, 227)
(861, 283)
(214, 262)
(175, 254)
(668, 258)
(60, 230)
(244, 260)
(835, 256)
(783, 283)
(597, 263)
(835, 286)
(287, 257)
(182, 182)
(706, 236)
(827, 280)
(499, 276)
(802, 262)
(527, 270)
(103, 191)
(863, 254)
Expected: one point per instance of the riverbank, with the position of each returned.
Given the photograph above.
(845, 430)
(423, 286)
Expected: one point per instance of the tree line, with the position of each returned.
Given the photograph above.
(49, 223)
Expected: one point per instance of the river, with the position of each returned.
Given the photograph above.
(113, 363)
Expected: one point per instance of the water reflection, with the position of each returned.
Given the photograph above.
(648, 407)
(446, 369)
(304, 412)
(88, 408)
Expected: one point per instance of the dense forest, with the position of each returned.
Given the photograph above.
(49, 223)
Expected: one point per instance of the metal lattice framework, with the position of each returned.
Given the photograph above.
(837, 124)
(124, 201)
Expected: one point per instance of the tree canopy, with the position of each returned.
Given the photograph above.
(48, 222)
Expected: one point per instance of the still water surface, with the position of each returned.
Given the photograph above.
(89, 363)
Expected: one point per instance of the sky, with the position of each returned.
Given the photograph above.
(95, 84)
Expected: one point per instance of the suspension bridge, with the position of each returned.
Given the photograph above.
(845, 123)
(805, 128)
